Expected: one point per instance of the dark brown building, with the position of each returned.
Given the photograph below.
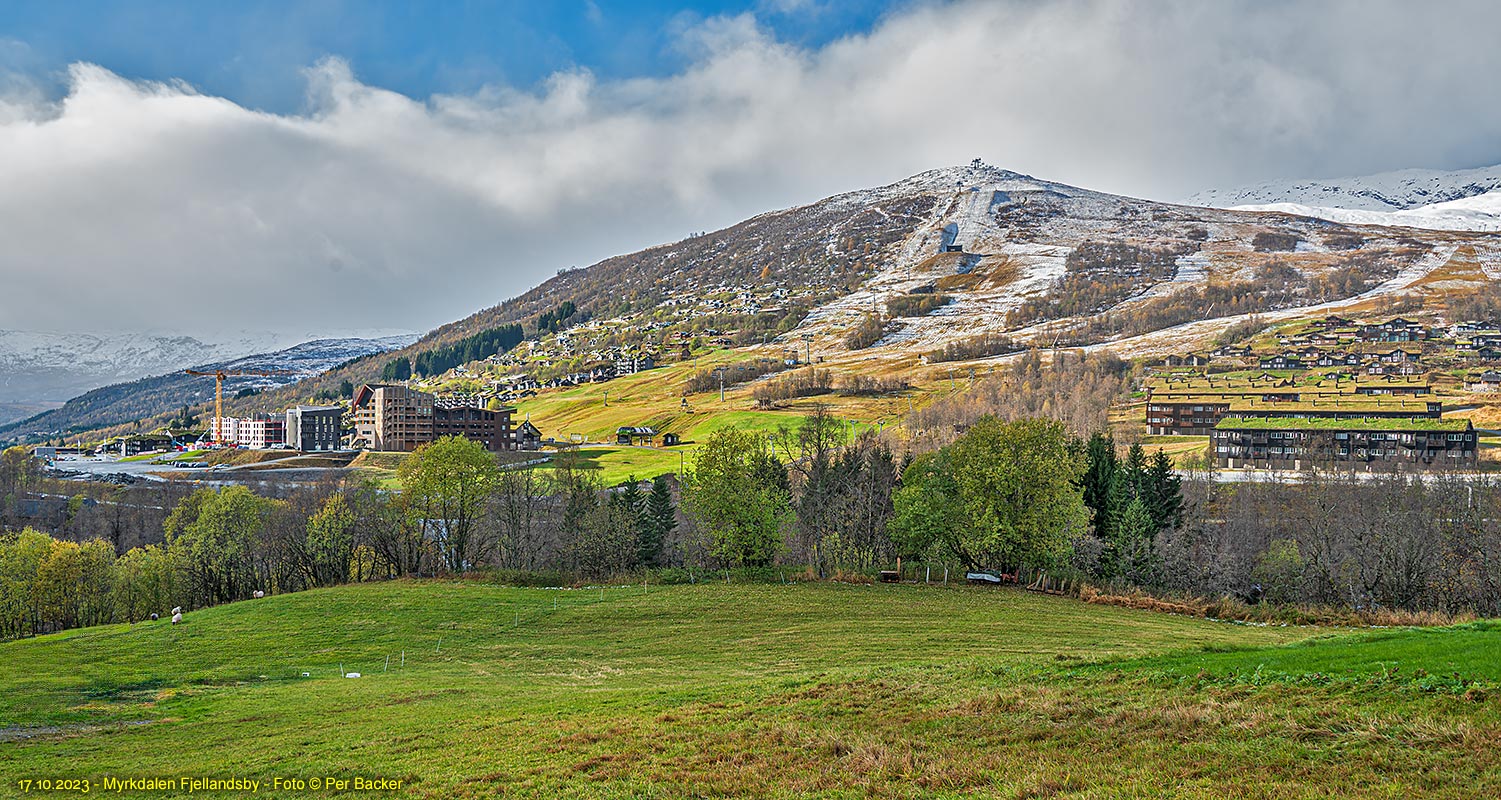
(1285, 442)
(488, 426)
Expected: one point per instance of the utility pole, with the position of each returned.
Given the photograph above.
(720, 372)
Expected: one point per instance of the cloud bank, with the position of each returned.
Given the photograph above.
(126, 204)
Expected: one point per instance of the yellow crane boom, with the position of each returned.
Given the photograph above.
(219, 375)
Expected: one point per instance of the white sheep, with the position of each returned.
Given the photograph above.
(258, 594)
(154, 617)
(177, 610)
(177, 617)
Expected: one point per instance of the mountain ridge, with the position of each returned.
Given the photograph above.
(1397, 190)
(123, 402)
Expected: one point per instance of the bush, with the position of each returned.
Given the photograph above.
(866, 333)
(806, 383)
(707, 380)
(1274, 242)
(916, 305)
(981, 347)
(869, 386)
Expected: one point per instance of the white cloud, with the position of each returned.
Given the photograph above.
(132, 204)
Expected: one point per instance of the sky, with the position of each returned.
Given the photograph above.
(337, 166)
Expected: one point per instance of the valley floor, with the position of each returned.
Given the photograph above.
(792, 690)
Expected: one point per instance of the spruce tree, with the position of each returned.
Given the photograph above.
(659, 519)
(1101, 464)
(633, 505)
(1164, 495)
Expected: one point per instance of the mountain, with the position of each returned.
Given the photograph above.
(957, 264)
(1481, 212)
(39, 367)
(1006, 253)
(147, 397)
(1386, 191)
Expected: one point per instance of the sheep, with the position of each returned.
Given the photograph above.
(177, 610)
(258, 594)
(176, 618)
(154, 617)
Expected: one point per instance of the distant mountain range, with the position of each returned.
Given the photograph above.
(42, 367)
(123, 402)
(1460, 200)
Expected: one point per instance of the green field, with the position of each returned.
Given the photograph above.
(794, 690)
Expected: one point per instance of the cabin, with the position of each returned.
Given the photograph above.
(526, 436)
(1399, 356)
(1186, 360)
(1395, 330)
(1489, 381)
(1282, 362)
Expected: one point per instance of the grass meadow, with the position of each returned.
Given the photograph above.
(717, 690)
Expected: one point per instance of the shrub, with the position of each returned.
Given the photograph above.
(1275, 242)
(916, 305)
(869, 331)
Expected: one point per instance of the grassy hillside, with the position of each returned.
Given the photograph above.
(797, 690)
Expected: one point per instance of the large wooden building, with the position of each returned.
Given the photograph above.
(401, 419)
(1292, 442)
(1199, 417)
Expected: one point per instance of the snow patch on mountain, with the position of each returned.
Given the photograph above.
(1478, 213)
(1386, 191)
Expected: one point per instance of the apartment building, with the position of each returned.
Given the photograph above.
(392, 418)
(401, 419)
(311, 428)
(256, 432)
(1290, 442)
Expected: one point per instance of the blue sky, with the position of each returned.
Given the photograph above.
(254, 52)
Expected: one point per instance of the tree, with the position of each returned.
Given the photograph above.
(1163, 493)
(217, 536)
(737, 491)
(145, 583)
(21, 557)
(1003, 495)
(817, 441)
(1101, 464)
(449, 483)
(519, 503)
(329, 548)
(658, 521)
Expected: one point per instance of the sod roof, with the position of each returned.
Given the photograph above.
(1327, 424)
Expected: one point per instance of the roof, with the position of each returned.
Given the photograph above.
(1328, 424)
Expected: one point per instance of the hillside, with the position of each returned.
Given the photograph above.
(810, 690)
(163, 394)
(973, 260)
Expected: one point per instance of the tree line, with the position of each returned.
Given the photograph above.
(476, 347)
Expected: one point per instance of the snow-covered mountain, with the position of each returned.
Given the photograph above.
(1385, 191)
(1479, 213)
(122, 402)
(54, 366)
(42, 367)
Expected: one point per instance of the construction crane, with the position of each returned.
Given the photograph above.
(219, 375)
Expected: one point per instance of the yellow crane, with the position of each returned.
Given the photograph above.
(219, 375)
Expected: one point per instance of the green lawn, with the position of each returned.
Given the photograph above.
(744, 690)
